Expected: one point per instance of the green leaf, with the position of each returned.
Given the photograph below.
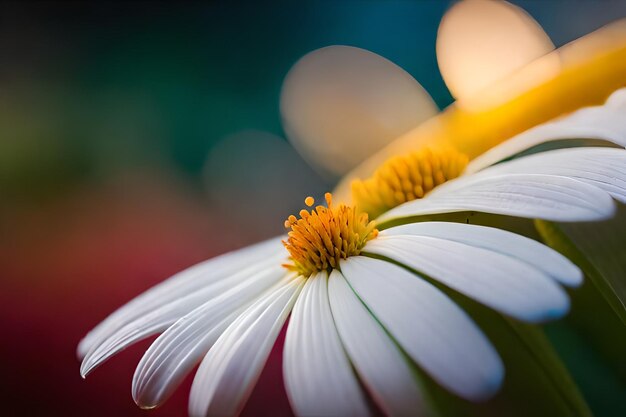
(549, 362)
(599, 249)
(536, 382)
(597, 313)
(600, 378)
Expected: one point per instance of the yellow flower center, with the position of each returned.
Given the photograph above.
(407, 177)
(323, 236)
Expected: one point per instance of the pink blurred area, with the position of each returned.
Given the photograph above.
(68, 262)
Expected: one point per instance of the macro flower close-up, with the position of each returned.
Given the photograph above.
(362, 297)
(441, 234)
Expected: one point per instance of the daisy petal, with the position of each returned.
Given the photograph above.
(231, 368)
(173, 354)
(378, 361)
(318, 376)
(601, 122)
(501, 282)
(604, 168)
(527, 250)
(179, 285)
(546, 197)
(617, 100)
(431, 328)
(161, 318)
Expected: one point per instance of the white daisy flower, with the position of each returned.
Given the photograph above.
(485, 179)
(361, 295)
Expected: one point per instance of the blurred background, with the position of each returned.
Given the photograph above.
(139, 138)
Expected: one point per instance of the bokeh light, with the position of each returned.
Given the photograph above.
(481, 42)
(340, 104)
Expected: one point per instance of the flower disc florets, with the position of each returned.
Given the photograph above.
(323, 236)
(407, 177)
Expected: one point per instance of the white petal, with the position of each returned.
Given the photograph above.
(617, 100)
(232, 367)
(545, 197)
(601, 122)
(501, 282)
(159, 319)
(177, 286)
(173, 354)
(432, 329)
(318, 377)
(527, 250)
(604, 168)
(380, 364)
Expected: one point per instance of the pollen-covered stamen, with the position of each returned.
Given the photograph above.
(407, 177)
(323, 236)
